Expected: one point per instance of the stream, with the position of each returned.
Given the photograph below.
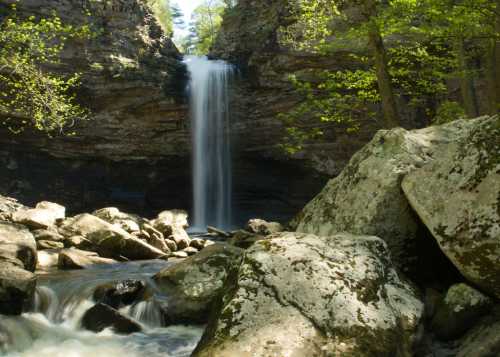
(62, 297)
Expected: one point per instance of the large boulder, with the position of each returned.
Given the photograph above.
(457, 196)
(109, 240)
(18, 259)
(44, 215)
(193, 284)
(79, 259)
(262, 227)
(129, 222)
(302, 295)
(483, 340)
(366, 198)
(460, 309)
(102, 316)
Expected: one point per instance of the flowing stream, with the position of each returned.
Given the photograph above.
(209, 102)
(53, 329)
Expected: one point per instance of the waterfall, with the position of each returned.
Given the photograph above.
(208, 91)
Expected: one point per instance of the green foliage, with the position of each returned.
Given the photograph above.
(30, 94)
(205, 25)
(447, 112)
(419, 39)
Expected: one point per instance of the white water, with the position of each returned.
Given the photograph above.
(209, 97)
(62, 298)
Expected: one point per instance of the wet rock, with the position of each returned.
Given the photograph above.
(193, 284)
(121, 294)
(48, 244)
(262, 227)
(366, 198)
(17, 289)
(244, 239)
(461, 308)
(456, 196)
(79, 259)
(102, 316)
(302, 295)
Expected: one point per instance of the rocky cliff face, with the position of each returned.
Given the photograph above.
(133, 78)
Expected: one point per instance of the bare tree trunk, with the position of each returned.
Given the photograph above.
(466, 81)
(389, 107)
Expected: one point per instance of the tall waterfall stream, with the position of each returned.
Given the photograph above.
(53, 328)
(209, 102)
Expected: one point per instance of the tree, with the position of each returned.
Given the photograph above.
(206, 22)
(30, 94)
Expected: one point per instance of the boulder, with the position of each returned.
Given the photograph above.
(483, 340)
(49, 244)
(366, 198)
(190, 250)
(244, 239)
(193, 284)
(17, 289)
(457, 196)
(301, 295)
(181, 238)
(17, 246)
(48, 235)
(179, 254)
(110, 241)
(79, 242)
(43, 216)
(102, 316)
(79, 259)
(47, 259)
(169, 221)
(261, 227)
(120, 294)
(197, 243)
(461, 308)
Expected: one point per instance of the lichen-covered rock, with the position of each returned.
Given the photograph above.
(457, 196)
(244, 239)
(460, 309)
(302, 295)
(483, 340)
(366, 198)
(18, 259)
(193, 284)
(262, 227)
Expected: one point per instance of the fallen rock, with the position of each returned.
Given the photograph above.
(301, 295)
(110, 241)
(180, 238)
(261, 227)
(128, 222)
(366, 198)
(79, 259)
(169, 221)
(197, 243)
(461, 308)
(79, 242)
(457, 198)
(193, 284)
(102, 316)
(17, 246)
(47, 235)
(244, 239)
(120, 294)
(48, 244)
(171, 245)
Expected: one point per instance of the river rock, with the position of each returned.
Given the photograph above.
(366, 198)
(483, 340)
(110, 241)
(17, 246)
(190, 250)
(180, 237)
(193, 284)
(197, 243)
(457, 198)
(120, 294)
(262, 227)
(301, 295)
(244, 239)
(8, 206)
(43, 216)
(102, 316)
(49, 244)
(47, 235)
(128, 222)
(179, 254)
(47, 259)
(80, 259)
(168, 222)
(461, 308)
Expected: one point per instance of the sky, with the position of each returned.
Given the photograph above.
(187, 7)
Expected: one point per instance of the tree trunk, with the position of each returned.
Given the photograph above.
(496, 59)
(466, 81)
(389, 107)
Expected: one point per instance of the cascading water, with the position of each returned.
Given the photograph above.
(209, 101)
(53, 328)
